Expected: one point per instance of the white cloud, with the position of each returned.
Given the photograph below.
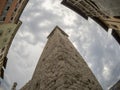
(69, 18)
(44, 23)
(51, 5)
(106, 72)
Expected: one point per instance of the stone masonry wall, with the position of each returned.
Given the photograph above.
(61, 68)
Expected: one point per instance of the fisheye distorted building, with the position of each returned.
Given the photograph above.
(105, 12)
(10, 12)
(61, 67)
(116, 86)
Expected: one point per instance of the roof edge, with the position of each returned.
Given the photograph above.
(57, 28)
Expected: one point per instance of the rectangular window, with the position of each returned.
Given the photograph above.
(20, 1)
(3, 18)
(15, 9)
(7, 8)
(11, 18)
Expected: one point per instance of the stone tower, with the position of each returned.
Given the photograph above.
(61, 67)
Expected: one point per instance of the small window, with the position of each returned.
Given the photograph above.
(7, 8)
(1, 56)
(3, 49)
(2, 73)
(114, 26)
(9, 30)
(5, 40)
(118, 17)
(3, 18)
(20, 1)
(15, 9)
(107, 17)
(5, 62)
(11, 18)
(1, 31)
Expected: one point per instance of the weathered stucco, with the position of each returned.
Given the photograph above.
(7, 33)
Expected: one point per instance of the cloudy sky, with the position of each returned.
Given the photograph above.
(98, 48)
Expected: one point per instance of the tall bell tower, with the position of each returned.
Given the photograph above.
(61, 67)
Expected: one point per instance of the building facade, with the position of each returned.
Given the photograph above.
(116, 86)
(61, 67)
(105, 12)
(10, 11)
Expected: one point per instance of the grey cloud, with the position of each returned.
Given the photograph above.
(91, 40)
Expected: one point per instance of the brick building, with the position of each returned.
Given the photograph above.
(10, 11)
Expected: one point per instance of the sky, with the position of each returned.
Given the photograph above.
(98, 48)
